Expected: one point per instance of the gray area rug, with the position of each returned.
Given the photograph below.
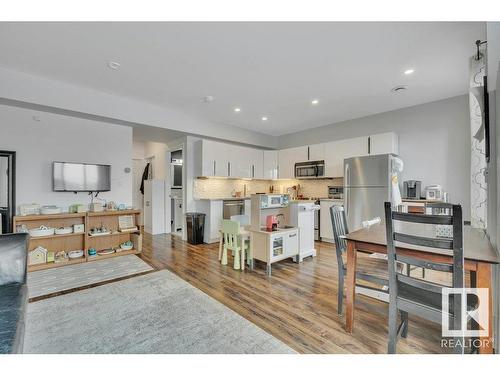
(154, 313)
(41, 283)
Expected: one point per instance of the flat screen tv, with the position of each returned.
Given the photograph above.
(81, 177)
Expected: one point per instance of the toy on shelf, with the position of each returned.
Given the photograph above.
(37, 256)
(61, 256)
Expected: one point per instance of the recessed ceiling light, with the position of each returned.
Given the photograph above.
(208, 99)
(399, 88)
(113, 65)
(315, 102)
(237, 109)
(409, 71)
(264, 118)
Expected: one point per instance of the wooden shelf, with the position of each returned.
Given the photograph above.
(56, 236)
(113, 234)
(114, 213)
(48, 217)
(44, 266)
(123, 252)
(82, 240)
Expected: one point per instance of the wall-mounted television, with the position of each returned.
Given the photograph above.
(81, 177)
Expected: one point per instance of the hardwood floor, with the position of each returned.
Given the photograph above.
(297, 305)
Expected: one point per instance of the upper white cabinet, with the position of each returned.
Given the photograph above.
(213, 158)
(337, 151)
(384, 143)
(225, 160)
(270, 164)
(316, 152)
(287, 159)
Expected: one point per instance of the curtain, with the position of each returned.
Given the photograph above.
(479, 195)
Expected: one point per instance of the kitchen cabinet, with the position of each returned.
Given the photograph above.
(384, 143)
(256, 158)
(213, 158)
(316, 152)
(271, 247)
(218, 159)
(270, 164)
(337, 151)
(325, 221)
(287, 159)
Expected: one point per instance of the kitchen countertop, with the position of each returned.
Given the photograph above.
(280, 230)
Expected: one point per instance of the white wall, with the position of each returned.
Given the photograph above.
(434, 142)
(62, 138)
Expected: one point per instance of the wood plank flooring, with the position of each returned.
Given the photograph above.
(297, 305)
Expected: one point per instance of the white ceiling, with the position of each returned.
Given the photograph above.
(266, 69)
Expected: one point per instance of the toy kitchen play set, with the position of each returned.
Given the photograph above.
(281, 229)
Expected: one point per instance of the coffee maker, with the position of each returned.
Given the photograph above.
(412, 189)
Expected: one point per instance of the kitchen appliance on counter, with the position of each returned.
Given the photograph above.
(335, 192)
(274, 200)
(434, 193)
(310, 169)
(367, 185)
(271, 222)
(412, 189)
(232, 207)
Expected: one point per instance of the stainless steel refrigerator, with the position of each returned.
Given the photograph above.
(367, 185)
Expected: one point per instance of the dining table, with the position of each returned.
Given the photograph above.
(479, 258)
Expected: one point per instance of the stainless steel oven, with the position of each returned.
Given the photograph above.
(310, 169)
(232, 207)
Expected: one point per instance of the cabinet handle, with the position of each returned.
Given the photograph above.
(253, 171)
(369, 145)
(228, 169)
(214, 167)
(308, 153)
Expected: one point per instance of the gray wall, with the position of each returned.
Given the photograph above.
(434, 142)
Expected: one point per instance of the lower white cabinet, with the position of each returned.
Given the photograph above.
(271, 247)
(325, 221)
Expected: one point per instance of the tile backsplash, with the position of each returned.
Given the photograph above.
(215, 188)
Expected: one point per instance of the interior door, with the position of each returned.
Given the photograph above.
(364, 204)
(7, 190)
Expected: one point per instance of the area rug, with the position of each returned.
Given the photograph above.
(153, 313)
(53, 280)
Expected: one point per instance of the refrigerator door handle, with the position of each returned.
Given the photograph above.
(348, 184)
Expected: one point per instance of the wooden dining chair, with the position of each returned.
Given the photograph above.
(410, 295)
(369, 269)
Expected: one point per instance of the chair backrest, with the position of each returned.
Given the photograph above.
(242, 219)
(340, 230)
(230, 231)
(453, 244)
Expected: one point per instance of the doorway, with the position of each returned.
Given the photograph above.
(176, 191)
(7, 190)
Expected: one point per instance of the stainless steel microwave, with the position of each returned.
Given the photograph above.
(310, 169)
